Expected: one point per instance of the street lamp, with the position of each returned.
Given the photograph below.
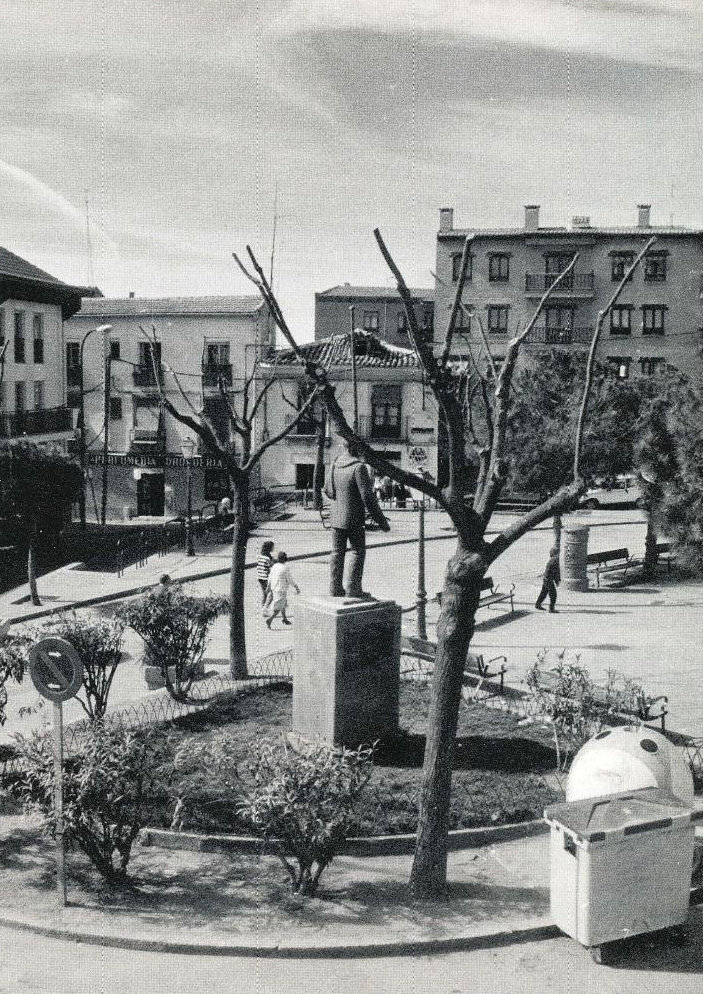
(104, 329)
(188, 448)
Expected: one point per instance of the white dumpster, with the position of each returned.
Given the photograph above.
(620, 864)
(618, 759)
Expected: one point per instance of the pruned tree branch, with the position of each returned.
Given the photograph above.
(562, 500)
(590, 365)
(267, 443)
(449, 334)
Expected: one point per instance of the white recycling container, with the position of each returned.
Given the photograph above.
(620, 864)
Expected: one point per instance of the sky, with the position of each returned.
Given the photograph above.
(142, 143)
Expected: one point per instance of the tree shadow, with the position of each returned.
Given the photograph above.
(514, 754)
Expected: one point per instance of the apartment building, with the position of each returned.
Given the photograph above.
(659, 315)
(395, 411)
(203, 340)
(33, 308)
(378, 310)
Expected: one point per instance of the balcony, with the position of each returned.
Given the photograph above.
(214, 372)
(148, 441)
(575, 284)
(542, 335)
(144, 376)
(26, 423)
(372, 432)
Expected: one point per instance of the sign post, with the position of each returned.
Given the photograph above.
(56, 671)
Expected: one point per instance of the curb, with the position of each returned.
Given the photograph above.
(379, 845)
(282, 949)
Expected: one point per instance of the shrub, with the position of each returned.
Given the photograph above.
(107, 787)
(576, 705)
(13, 649)
(174, 627)
(301, 803)
(99, 644)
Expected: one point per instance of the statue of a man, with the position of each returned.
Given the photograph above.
(349, 488)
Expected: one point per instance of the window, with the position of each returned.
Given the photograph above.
(20, 397)
(38, 395)
(146, 349)
(620, 262)
(38, 337)
(463, 320)
(498, 320)
(402, 322)
(456, 268)
(559, 325)
(217, 354)
(655, 267)
(115, 408)
(620, 320)
(554, 265)
(386, 402)
(651, 365)
(370, 320)
(73, 354)
(114, 348)
(498, 267)
(620, 366)
(19, 336)
(216, 411)
(653, 319)
(428, 322)
(216, 483)
(313, 416)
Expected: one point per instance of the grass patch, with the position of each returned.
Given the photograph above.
(499, 774)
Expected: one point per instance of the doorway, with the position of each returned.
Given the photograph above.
(150, 494)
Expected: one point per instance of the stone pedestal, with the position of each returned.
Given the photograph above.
(346, 669)
(574, 543)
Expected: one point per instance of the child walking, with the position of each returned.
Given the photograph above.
(550, 579)
(280, 580)
(263, 567)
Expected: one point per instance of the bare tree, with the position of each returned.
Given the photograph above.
(469, 497)
(240, 457)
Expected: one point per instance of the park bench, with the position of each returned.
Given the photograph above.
(492, 596)
(648, 710)
(475, 664)
(610, 561)
(665, 555)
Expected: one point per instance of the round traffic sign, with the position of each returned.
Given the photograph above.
(56, 669)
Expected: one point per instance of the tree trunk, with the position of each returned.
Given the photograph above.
(460, 597)
(32, 570)
(556, 526)
(240, 537)
(650, 547)
(318, 477)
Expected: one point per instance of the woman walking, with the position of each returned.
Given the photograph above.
(280, 580)
(263, 567)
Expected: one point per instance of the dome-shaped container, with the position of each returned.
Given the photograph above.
(619, 759)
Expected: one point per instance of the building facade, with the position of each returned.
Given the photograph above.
(396, 412)
(202, 340)
(33, 308)
(378, 310)
(658, 317)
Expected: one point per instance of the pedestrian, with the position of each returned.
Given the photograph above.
(378, 487)
(263, 567)
(386, 488)
(225, 506)
(552, 576)
(280, 580)
(401, 494)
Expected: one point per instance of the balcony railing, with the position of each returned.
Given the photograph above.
(214, 372)
(148, 440)
(53, 419)
(143, 376)
(576, 283)
(542, 335)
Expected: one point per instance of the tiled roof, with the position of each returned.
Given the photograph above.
(173, 306)
(369, 351)
(345, 291)
(630, 231)
(13, 265)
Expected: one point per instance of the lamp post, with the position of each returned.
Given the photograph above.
(421, 590)
(188, 448)
(104, 329)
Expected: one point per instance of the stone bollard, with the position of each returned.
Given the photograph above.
(574, 575)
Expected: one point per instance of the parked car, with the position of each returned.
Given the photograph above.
(623, 491)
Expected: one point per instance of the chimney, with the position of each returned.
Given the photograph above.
(131, 294)
(531, 217)
(643, 215)
(446, 218)
(580, 221)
